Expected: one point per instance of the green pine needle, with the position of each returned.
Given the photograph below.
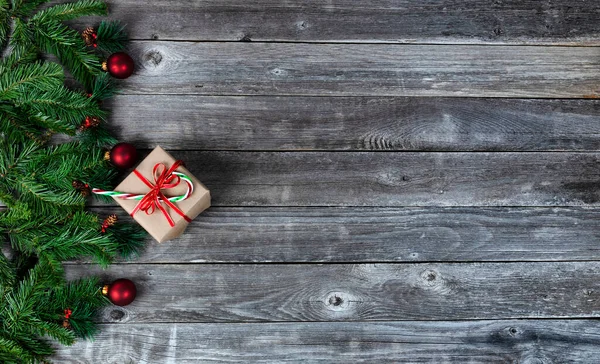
(45, 221)
(37, 76)
(111, 36)
(69, 11)
(66, 44)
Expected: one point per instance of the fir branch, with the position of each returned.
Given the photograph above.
(21, 302)
(24, 8)
(84, 298)
(13, 352)
(78, 235)
(19, 54)
(111, 36)
(47, 201)
(103, 88)
(42, 76)
(60, 164)
(4, 25)
(97, 137)
(17, 123)
(63, 12)
(73, 242)
(21, 33)
(13, 151)
(130, 238)
(60, 109)
(7, 198)
(45, 222)
(67, 45)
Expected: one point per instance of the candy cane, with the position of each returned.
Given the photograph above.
(131, 196)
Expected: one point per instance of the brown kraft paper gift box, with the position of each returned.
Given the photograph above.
(156, 224)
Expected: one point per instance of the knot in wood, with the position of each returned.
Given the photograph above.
(430, 277)
(337, 301)
(117, 315)
(433, 281)
(301, 25)
(278, 72)
(153, 58)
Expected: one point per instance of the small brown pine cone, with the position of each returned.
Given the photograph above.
(111, 220)
(66, 324)
(83, 188)
(89, 122)
(89, 37)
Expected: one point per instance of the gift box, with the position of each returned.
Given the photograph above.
(166, 211)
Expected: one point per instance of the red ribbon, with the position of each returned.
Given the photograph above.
(163, 180)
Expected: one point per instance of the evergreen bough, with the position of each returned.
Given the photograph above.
(44, 151)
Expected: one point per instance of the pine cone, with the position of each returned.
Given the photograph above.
(109, 221)
(66, 323)
(89, 37)
(83, 188)
(89, 122)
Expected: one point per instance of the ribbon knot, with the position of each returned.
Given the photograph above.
(164, 179)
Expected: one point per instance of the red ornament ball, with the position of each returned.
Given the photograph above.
(123, 155)
(120, 292)
(119, 65)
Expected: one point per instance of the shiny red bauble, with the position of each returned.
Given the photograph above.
(120, 292)
(123, 155)
(120, 65)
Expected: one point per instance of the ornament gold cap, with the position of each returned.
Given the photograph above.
(107, 155)
(104, 66)
(105, 290)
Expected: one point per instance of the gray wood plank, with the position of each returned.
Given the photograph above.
(522, 341)
(356, 123)
(397, 178)
(423, 21)
(284, 234)
(353, 292)
(363, 69)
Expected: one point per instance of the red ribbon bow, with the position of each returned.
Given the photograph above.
(163, 179)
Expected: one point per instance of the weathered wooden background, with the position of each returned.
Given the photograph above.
(392, 180)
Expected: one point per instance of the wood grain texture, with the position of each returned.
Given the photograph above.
(329, 235)
(363, 69)
(422, 21)
(356, 123)
(353, 292)
(395, 179)
(522, 341)
(381, 172)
